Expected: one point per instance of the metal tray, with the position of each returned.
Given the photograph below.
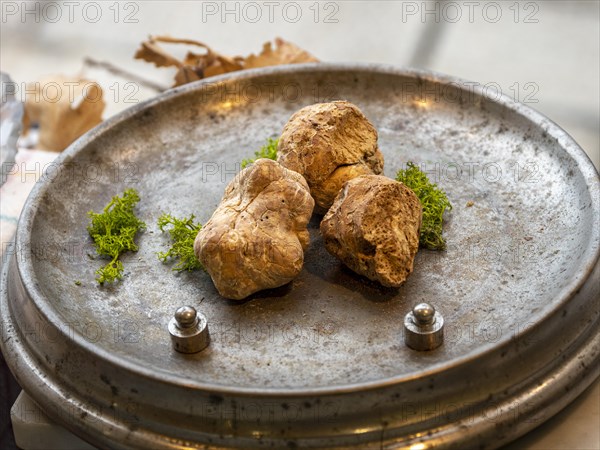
(320, 362)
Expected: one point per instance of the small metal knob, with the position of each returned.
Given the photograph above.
(186, 317)
(189, 330)
(423, 328)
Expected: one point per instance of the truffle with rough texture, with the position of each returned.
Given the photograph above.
(256, 237)
(373, 228)
(329, 144)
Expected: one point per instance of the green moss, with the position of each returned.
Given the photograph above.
(434, 202)
(113, 231)
(269, 151)
(183, 233)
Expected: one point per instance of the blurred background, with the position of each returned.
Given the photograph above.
(543, 53)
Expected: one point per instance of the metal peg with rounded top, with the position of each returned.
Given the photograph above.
(189, 330)
(423, 328)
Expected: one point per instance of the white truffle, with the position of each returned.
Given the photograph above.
(256, 237)
(329, 144)
(373, 228)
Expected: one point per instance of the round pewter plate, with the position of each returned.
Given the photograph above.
(320, 362)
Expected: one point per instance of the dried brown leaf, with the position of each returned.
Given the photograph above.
(196, 66)
(222, 64)
(186, 74)
(151, 52)
(284, 53)
(64, 108)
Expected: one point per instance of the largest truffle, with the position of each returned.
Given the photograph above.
(256, 237)
(373, 228)
(329, 144)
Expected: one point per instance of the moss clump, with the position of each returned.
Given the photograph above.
(434, 202)
(269, 151)
(113, 231)
(183, 233)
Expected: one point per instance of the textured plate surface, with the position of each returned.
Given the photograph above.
(514, 257)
